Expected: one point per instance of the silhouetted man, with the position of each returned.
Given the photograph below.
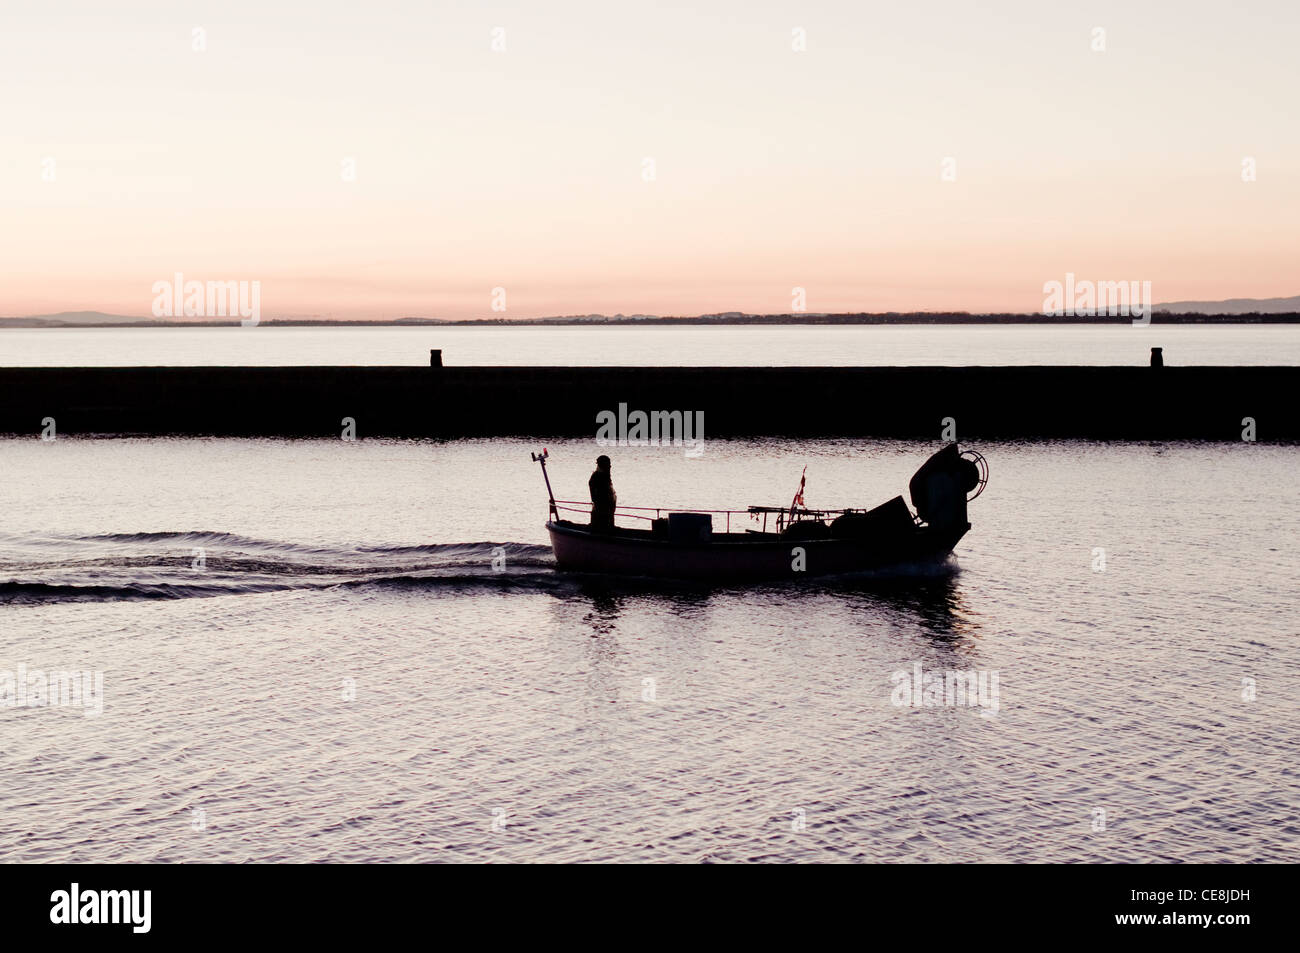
(603, 497)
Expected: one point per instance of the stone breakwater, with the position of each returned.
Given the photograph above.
(1111, 403)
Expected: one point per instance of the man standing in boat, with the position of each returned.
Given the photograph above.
(603, 497)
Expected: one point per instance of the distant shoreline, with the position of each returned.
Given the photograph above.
(54, 322)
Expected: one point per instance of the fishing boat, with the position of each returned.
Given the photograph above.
(790, 542)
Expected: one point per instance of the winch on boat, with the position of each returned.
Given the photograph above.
(688, 543)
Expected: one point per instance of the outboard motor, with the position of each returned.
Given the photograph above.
(942, 487)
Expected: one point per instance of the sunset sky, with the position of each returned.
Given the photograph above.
(525, 169)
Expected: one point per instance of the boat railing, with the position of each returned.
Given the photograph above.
(783, 513)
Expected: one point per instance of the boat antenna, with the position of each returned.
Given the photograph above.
(541, 458)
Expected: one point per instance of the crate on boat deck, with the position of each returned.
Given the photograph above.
(806, 529)
(690, 527)
(659, 528)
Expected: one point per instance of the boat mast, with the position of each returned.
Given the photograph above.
(541, 458)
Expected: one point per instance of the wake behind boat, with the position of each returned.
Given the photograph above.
(683, 543)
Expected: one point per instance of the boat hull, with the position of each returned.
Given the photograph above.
(742, 557)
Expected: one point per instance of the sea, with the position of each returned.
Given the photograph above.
(671, 345)
(222, 650)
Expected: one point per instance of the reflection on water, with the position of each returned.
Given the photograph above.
(930, 601)
(605, 606)
(934, 603)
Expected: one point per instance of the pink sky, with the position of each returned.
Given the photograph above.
(524, 169)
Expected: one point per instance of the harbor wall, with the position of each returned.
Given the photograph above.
(906, 402)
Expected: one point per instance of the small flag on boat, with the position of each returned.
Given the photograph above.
(798, 497)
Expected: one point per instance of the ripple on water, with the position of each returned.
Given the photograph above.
(334, 687)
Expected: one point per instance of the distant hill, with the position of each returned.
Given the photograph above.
(71, 319)
(1233, 306)
(1232, 311)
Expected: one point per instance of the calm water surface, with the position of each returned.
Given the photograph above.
(347, 678)
(902, 345)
